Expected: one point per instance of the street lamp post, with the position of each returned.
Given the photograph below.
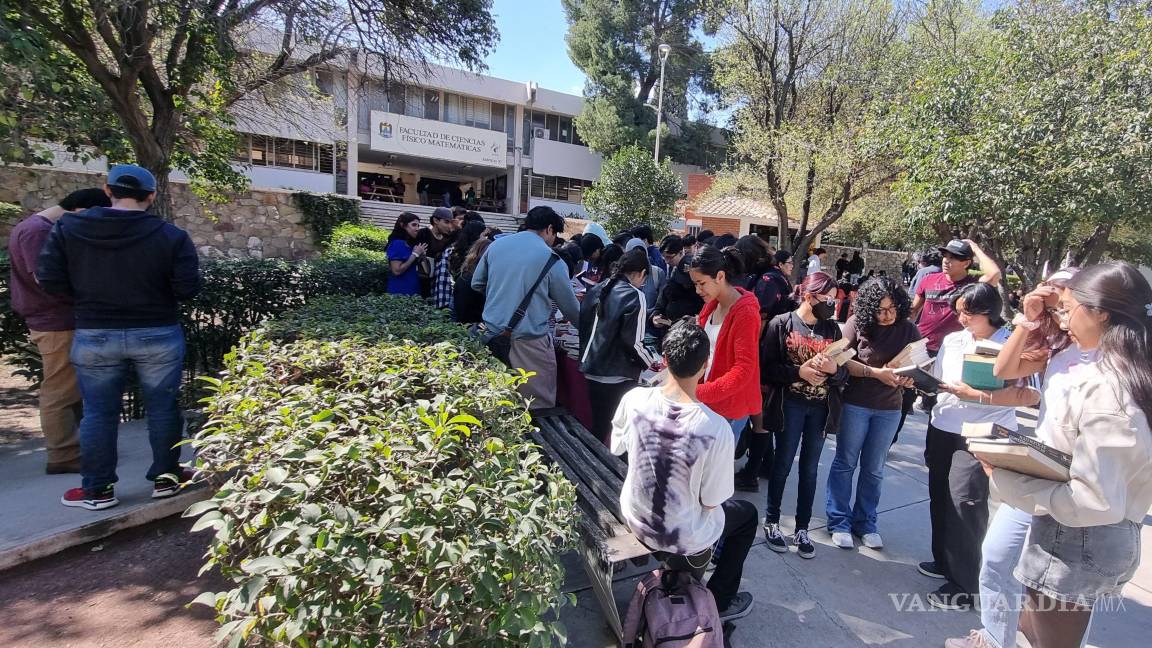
(665, 48)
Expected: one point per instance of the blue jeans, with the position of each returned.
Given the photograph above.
(864, 438)
(804, 430)
(103, 358)
(738, 426)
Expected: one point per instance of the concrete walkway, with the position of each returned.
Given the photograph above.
(860, 597)
(34, 524)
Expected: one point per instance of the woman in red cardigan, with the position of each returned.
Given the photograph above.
(731, 316)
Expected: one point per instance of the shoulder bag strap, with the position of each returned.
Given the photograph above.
(523, 308)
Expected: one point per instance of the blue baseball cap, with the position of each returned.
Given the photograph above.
(130, 176)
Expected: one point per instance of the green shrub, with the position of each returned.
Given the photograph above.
(379, 495)
(15, 346)
(372, 318)
(358, 241)
(323, 212)
(10, 213)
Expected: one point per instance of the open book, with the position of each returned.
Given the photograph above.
(914, 362)
(1004, 448)
(839, 352)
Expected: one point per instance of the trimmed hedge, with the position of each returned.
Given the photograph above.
(358, 241)
(380, 487)
(322, 212)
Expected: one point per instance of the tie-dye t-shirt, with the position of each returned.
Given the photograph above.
(679, 463)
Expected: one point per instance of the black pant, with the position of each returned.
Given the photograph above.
(804, 431)
(939, 446)
(605, 399)
(740, 519)
(966, 521)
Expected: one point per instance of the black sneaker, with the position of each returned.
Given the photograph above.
(169, 484)
(776, 541)
(738, 608)
(930, 569)
(746, 483)
(950, 597)
(804, 545)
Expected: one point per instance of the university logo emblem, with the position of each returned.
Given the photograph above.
(385, 129)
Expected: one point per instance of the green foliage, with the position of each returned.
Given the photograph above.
(324, 212)
(379, 488)
(616, 45)
(1035, 134)
(10, 213)
(634, 190)
(358, 241)
(15, 347)
(881, 221)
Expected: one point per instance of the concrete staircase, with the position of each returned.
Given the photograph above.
(384, 214)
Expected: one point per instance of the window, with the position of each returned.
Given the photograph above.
(566, 130)
(453, 108)
(576, 136)
(550, 187)
(414, 102)
(326, 158)
(304, 155)
(261, 150)
(553, 126)
(243, 148)
(325, 82)
(496, 122)
(432, 104)
(395, 94)
(283, 152)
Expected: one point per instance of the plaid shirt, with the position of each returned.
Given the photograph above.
(442, 284)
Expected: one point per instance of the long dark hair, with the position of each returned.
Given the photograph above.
(711, 262)
(469, 234)
(634, 260)
(753, 249)
(868, 299)
(981, 299)
(398, 231)
(1126, 344)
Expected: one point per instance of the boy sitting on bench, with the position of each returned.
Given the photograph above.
(680, 477)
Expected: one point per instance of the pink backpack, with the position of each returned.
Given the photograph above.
(670, 609)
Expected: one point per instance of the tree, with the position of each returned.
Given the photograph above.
(616, 44)
(1035, 136)
(810, 79)
(634, 190)
(161, 79)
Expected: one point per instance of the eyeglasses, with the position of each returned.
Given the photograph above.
(891, 310)
(1063, 314)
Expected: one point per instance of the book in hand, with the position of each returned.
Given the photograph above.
(915, 353)
(1004, 448)
(978, 372)
(921, 377)
(988, 348)
(839, 352)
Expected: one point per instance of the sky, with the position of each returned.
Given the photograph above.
(532, 45)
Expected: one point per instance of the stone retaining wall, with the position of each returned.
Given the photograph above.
(888, 261)
(260, 223)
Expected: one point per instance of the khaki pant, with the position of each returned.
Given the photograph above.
(60, 403)
(538, 355)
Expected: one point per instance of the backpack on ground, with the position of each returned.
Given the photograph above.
(671, 609)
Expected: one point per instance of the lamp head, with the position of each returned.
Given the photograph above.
(665, 48)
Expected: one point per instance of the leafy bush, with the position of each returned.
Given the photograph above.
(10, 213)
(372, 318)
(378, 495)
(323, 212)
(358, 241)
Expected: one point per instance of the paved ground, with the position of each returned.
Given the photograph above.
(861, 597)
(18, 416)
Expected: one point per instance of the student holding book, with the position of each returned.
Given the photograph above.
(1084, 541)
(878, 332)
(958, 526)
(801, 386)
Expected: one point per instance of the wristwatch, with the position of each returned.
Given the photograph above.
(1021, 320)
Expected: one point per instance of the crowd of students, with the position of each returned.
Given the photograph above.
(768, 388)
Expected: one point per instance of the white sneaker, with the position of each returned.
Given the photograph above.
(873, 541)
(843, 540)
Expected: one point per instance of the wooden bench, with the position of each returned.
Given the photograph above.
(599, 477)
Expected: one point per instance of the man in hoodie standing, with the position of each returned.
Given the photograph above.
(126, 271)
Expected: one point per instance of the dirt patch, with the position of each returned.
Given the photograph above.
(19, 418)
(130, 594)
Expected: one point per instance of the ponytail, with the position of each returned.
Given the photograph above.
(711, 262)
(634, 260)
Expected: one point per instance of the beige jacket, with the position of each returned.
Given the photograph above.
(1111, 447)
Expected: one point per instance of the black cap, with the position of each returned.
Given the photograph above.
(958, 248)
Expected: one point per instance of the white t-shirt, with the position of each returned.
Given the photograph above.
(712, 328)
(813, 264)
(679, 463)
(1065, 372)
(951, 413)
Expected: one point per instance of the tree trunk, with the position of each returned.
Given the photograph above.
(1092, 248)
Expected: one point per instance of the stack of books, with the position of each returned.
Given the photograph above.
(978, 366)
(1017, 452)
(915, 363)
(839, 352)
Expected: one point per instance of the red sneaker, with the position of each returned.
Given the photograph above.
(91, 500)
(169, 484)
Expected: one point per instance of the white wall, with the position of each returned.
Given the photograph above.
(277, 178)
(566, 160)
(561, 207)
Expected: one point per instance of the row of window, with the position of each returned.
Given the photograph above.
(558, 128)
(262, 150)
(552, 187)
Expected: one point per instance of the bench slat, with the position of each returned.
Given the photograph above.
(606, 484)
(614, 463)
(606, 520)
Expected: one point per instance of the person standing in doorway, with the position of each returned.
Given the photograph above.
(506, 275)
(51, 327)
(127, 270)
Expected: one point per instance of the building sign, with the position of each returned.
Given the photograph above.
(426, 138)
